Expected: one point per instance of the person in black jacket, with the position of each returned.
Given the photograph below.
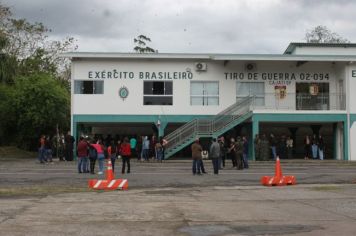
(69, 141)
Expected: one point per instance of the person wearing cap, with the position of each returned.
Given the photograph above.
(196, 156)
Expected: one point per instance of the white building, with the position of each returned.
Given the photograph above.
(307, 90)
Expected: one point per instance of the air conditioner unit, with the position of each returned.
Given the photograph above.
(201, 66)
(250, 66)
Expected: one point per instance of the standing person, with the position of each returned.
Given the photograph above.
(307, 147)
(196, 156)
(257, 143)
(126, 154)
(152, 154)
(100, 155)
(215, 154)
(133, 144)
(112, 154)
(41, 149)
(264, 148)
(82, 150)
(231, 152)
(93, 155)
(48, 150)
(282, 147)
(139, 147)
(245, 152)
(314, 147)
(321, 146)
(222, 153)
(163, 143)
(239, 148)
(273, 144)
(146, 148)
(159, 151)
(69, 141)
(289, 144)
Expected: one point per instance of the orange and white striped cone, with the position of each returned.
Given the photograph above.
(110, 183)
(121, 184)
(278, 179)
(109, 172)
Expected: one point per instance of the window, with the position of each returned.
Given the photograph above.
(257, 89)
(204, 93)
(88, 87)
(158, 93)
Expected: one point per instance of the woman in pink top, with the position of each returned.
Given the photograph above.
(99, 147)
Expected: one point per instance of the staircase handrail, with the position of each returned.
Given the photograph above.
(198, 127)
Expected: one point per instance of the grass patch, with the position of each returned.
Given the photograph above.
(326, 188)
(12, 152)
(39, 190)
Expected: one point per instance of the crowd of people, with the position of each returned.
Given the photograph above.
(283, 147)
(97, 149)
(219, 151)
(59, 145)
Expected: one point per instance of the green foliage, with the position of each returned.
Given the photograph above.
(40, 103)
(141, 44)
(7, 114)
(34, 81)
(321, 34)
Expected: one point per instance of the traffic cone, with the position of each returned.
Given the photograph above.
(278, 179)
(109, 173)
(110, 183)
(278, 169)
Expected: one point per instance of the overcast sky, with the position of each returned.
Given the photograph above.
(189, 26)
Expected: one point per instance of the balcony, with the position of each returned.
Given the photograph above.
(300, 101)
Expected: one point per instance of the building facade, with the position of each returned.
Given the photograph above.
(308, 90)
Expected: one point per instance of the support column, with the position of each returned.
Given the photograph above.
(255, 130)
(345, 141)
(335, 146)
(161, 129)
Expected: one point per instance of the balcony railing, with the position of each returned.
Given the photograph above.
(300, 101)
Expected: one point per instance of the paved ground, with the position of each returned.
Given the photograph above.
(165, 199)
(176, 174)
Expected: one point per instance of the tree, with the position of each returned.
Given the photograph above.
(141, 44)
(40, 103)
(30, 41)
(321, 34)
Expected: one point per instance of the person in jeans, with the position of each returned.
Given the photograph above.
(41, 149)
(126, 155)
(99, 147)
(93, 155)
(82, 150)
(112, 154)
(196, 156)
(214, 155)
(245, 152)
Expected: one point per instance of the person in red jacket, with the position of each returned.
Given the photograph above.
(82, 150)
(126, 154)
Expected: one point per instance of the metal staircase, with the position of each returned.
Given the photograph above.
(214, 127)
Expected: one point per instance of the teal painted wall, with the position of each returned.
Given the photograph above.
(256, 119)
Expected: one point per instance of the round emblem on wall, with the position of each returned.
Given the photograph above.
(123, 92)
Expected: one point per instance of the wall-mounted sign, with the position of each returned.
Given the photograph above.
(123, 92)
(154, 75)
(353, 73)
(280, 91)
(314, 89)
